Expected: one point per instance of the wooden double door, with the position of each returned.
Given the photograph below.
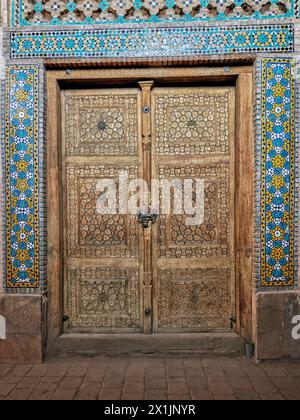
(119, 275)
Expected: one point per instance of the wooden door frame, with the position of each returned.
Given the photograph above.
(242, 77)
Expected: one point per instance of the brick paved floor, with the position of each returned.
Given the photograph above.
(150, 378)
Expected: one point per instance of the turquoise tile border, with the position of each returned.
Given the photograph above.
(25, 196)
(188, 14)
(152, 42)
(276, 150)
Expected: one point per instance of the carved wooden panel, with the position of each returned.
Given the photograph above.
(191, 122)
(102, 297)
(89, 233)
(103, 124)
(209, 239)
(195, 299)
(188, 277)
(100, 132)
(194, 139)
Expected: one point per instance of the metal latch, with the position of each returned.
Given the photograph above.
(232, 321)
(146, 218)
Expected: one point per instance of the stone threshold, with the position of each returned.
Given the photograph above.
(225, 344)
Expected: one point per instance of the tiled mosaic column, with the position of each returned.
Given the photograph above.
(3, 23)
(275, 118)
(24, 168)
(23, 305)
(277, 214)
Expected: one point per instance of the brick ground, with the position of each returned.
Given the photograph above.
(189, 378)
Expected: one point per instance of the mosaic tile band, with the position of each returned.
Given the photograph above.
(277, 173)
(153, 42)
(92, 12)
(22, 177)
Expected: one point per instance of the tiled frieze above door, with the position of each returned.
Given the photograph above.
(93, 12)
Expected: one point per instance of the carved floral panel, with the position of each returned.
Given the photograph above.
(195, 298)
(103, 124)
(190, 122)
(99, 297)
(89, 233)
(210, 238)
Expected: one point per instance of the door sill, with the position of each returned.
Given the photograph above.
(225, 344)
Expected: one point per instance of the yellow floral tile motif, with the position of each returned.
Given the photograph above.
(278, 173)
(22, 228)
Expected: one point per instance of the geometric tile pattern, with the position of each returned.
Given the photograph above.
(24, 215)
(97, 12)
(277, 186)
(152, 41)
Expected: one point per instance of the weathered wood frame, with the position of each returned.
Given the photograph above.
(242, 78)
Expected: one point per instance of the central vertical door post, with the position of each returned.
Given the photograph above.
(146, 87)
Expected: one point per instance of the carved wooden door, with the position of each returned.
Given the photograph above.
(170, 276)
(194, 265)
(102, 253)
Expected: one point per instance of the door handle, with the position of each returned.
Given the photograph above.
(146, 218)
